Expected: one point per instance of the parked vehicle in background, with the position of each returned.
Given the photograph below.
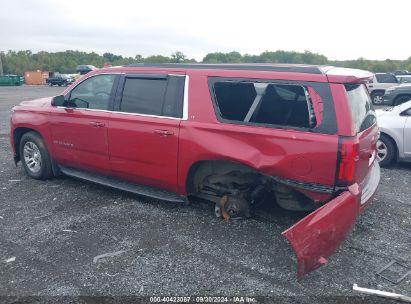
(85, 68)
(397, 94)
(401, 72)
(236, 135)
(404, 78)
(60, 80)
(395, 139)
(378, 84)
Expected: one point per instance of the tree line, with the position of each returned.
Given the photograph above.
(17, 62)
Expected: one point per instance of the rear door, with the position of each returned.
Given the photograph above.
(143, 131)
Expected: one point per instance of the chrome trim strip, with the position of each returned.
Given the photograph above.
(119, 112)
(185, 102)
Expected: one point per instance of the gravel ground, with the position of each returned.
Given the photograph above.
(57, 229)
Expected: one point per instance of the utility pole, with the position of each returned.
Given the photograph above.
(1, 66)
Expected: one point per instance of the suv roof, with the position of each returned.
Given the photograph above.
(334, 74)
(309, 69)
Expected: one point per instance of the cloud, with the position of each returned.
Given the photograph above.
(342, 30)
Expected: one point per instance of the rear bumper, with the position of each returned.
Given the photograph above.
(317, 236)
(370, 185)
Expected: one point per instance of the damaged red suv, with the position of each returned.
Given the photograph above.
(231, 134)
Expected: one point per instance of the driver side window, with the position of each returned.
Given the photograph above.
(92, 93)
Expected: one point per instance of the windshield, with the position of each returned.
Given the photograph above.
(362, 110)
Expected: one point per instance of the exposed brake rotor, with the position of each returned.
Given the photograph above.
(232, 207)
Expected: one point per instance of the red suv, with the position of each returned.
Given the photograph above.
(303, 136)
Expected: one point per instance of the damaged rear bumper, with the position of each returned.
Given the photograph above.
(317, 236)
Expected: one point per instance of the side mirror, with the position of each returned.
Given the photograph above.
(58, 101)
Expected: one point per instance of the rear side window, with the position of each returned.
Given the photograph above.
(386, 78)
(143, 96)
(265, 103)
(159, 96)
(362, 110)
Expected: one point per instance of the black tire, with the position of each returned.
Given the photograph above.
(34, 141)
(50, 84)
(377, 97)
(401, 99)
(390, 148)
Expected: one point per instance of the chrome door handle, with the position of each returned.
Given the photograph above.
(97, 124)
(164, 132)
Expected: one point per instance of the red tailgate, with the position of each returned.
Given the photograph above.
(317, 236)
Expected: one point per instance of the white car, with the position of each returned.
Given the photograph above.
(395, 139)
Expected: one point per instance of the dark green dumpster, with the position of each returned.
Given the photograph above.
(11, 80)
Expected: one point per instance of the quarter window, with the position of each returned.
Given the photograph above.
(265, 103)
(92, 93)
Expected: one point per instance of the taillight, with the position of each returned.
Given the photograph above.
(349, 156)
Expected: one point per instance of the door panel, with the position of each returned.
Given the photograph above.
(80, 138)
(79, 125)
(144, 149)
(143, 134)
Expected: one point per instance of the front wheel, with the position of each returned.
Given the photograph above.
(35, 157)
(385, 151)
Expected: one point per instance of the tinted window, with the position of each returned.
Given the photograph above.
(92, 93)
(143, 96)
(386, 78)
(161, 97)
(362, 110)
(273, 104)
(404, 79)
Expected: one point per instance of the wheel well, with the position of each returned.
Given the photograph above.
(201, 169)
(17, 135)
(218, 176)
(377, 91)
(392, 141)
(401, 95)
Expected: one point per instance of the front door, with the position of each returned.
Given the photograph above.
(143, 130)
(79, 128)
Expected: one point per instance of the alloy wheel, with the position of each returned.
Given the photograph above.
(32, 157)
(382, 150)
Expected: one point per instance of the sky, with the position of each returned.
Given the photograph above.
(340, 30)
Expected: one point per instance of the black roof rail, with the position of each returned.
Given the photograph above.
(248, 67)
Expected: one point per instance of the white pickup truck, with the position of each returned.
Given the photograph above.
(378, 84)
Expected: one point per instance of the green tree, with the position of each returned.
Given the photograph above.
(178, 57)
